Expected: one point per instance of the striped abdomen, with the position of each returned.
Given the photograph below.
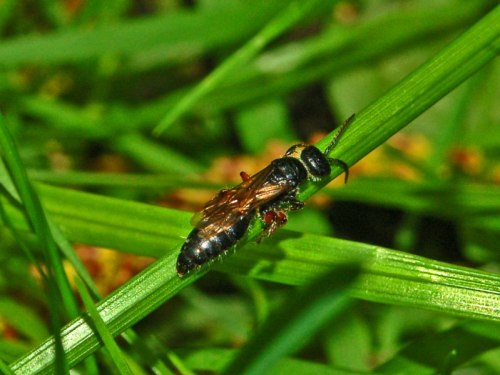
(201, 246)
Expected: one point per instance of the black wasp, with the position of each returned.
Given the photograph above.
(270, 194)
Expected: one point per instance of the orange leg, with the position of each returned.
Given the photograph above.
(244, 176)
(273, 220)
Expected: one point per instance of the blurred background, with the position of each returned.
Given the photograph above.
(83, 84)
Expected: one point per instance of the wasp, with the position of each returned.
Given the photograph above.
(269, 194)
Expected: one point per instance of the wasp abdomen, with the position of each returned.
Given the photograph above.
(202, 246)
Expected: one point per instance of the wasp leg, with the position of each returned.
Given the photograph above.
(342, 164)
(273, 220)
(292, 204)
(285, 204)
(244, 176)
(274, 215)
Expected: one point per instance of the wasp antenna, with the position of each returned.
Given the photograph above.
(336, 137)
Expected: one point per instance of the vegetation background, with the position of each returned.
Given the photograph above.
(121, 118)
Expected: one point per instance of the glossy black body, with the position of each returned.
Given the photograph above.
(300, 163)
(201, 247)
(270, 194)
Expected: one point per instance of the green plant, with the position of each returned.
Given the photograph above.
(117, 121)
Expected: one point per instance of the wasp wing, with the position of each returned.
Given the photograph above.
(227, 207)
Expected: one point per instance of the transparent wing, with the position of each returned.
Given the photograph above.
(227, 207)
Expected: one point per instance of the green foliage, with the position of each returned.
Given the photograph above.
(85, 85)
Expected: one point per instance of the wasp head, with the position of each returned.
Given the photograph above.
(314, 161)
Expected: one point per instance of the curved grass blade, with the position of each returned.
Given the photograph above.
(292, 14)
(120, 310)
(295, 259)
(388, 276)
(4, 369)
(444, 351)
(468, 53)
(109, 343)
(57, 282)
(216, 359)
(194, 32)
(416, 93)
(299, 317)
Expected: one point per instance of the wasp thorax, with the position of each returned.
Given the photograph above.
(289, 170)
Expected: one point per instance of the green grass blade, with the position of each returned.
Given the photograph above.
(56, 278)
(216, 359)
(109, 222)
(151, 230)
(299, 317)
(417, 92)
(450, 200)
(193, 32)
(5, 369)
(465, 292)
(153, 156)
(444, 351)
(117, 357)
(329, 54)
(179, 364)
(131, 181)
(22, 244)
(23, 319)
(296, 11)
(289, 258)
(389, 276)
(120, 310)
(70, 255)
(332, 53)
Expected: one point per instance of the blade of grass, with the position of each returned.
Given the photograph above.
(23, 320)
(390, 276)
(67, 250)
(192, 32)
(4, 368)
(296, 11)
(120, 310)
(274, 73)
(70, 255)
(149, 230)
(135, 226)
(132, 181)
(296, 259)
(179, 364)
(56, 278)
(109, 222)
(153, 156)
(117, 358)
(449, 200)
(10, 350)
(216, 359)
(21, 242)
(417, 92)
(151, 351)
(444, 351)
(483, 46)
(299, 317)
(277, 73)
